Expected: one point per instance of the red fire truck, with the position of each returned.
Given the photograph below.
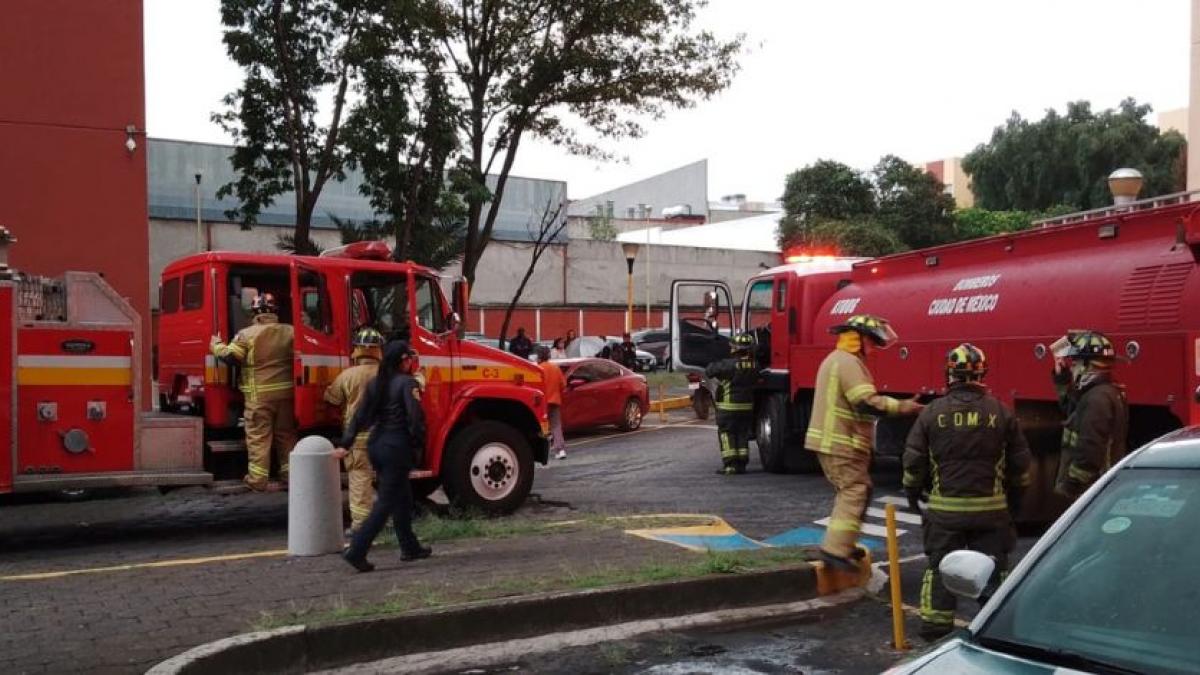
(485, 409)
(69, 374)
(1126, 270)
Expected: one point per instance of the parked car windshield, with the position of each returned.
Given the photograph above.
(1120, 586)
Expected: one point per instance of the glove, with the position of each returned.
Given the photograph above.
(910, 406)
(914, 500)
(1014, 502)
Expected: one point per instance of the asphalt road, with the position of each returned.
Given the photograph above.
(659, 469)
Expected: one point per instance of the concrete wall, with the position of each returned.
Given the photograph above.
(595, 272)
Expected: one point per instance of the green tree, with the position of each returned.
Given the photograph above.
(572, 72)
(402, 133)
(292, 52)
(1065, 159)
(824, 190)
(863, 236)
(912, 204)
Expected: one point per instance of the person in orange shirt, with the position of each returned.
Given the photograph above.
(555, 385)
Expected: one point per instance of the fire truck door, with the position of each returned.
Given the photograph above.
(701, 323)
(431, 337)
(319, 355)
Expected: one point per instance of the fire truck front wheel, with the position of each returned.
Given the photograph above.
(490, 468)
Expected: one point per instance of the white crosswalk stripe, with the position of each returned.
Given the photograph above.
(870, 529)
(873, 529)
(901, 516)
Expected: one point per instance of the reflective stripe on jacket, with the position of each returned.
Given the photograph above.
(264, 350)
(967, 450)
(844, 403)
(735, 383)
(347, 391)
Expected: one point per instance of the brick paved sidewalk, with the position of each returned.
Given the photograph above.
(127, 620)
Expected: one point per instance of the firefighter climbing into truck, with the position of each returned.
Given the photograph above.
(83, 418)
(1126, 271)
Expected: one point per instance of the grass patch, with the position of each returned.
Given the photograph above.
(668, 380)
(425, 595)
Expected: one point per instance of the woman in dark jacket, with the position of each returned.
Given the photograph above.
(392, 411)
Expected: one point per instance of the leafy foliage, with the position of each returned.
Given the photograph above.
(828, 205)
(912, 204)
(554, 68)
(291, 53)
(975, 222)
(1065, 159)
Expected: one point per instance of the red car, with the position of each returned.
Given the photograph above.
(601, 392)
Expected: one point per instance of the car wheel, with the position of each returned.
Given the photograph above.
(631, 416)
(489, 468)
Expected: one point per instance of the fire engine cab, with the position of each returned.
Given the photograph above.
(485, 409)
(1128, 270)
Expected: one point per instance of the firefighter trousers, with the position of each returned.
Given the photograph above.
(989, 533)
(851, 480)
(269, 425)
(733, 434)
(360, 478)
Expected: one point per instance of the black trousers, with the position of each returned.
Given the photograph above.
(392, 461)
(990, 533)
(733, 433)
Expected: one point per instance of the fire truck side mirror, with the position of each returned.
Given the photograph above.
(460, 292)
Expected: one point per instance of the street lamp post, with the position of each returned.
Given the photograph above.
(631, 250)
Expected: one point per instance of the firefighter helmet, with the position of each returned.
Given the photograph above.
(875, 327)
(1084, 345)
(742, 342)
(367, 337)
(264, 303)
(966, 362)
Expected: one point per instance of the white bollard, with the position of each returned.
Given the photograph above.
(314, 499)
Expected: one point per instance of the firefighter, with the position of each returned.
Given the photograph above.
(264, 351)
(1097, 424)
(735, 377)
(967, 452)
(347, 392)
(840, 430)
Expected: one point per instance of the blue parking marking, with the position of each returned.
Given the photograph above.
(811, 536)
(727, 542)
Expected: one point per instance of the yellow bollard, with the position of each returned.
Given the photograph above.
(893, 549)
(662, 407)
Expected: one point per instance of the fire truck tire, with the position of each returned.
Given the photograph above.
(771, 427)
(490, 468)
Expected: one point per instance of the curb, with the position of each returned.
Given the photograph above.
(299, 649)
(673, 403)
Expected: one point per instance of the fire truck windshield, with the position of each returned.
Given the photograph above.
(381, 301)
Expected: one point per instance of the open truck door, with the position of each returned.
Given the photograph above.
(701, 324)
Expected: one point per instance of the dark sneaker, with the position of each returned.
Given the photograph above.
(359, 564)
(423, 552)
(837, 563)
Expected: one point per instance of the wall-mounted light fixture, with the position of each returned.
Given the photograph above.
(130, 141)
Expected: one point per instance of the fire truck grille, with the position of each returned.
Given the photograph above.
(1152, 296)
(41, 299)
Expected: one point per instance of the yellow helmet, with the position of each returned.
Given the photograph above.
(875, 327)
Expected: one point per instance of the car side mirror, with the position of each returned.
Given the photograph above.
(576, 382)
(967, 573)
(453, 322)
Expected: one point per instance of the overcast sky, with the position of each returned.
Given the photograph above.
(849, 80)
